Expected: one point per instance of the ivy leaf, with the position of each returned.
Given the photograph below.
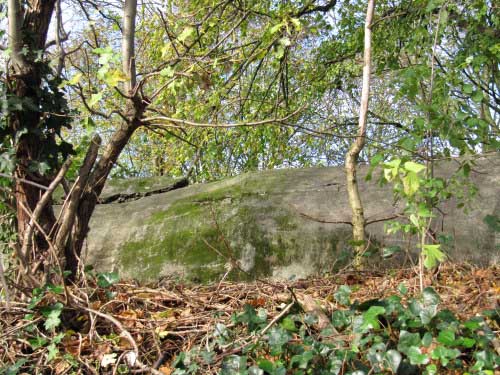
(446, 337)
(402, 288)
(340, 318)
(255, 371)
(393, 358)
(52, 313)
(277, 337)
(407, 340)
(431, 369)
(266, 365)
(106, 279)
(234, 364)
(302, 359)
(342, 295)
(416, 357)
(431, 297)
(289, 324)
(370, 318)
(14, 369)
(427, 339)
(444, 355)
(37, 342)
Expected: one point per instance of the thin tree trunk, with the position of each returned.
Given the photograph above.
(358, 218)
(135, 110)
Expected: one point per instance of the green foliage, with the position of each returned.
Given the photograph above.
(390, 337)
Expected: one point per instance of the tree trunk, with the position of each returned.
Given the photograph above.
(358, 218)
(135, 110)
(28, 30)
(91, 193)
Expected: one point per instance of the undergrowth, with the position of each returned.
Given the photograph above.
(263, 328)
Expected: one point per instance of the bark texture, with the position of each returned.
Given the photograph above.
(28, 30)
(358, 218)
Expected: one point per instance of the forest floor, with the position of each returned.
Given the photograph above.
(106, 326)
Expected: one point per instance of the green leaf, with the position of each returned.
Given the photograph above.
(370, 318)
(340, 318)
(432, 255)
(444, 355)
(94, 99)
(37, 342)
(302, 359)
(266, 365)
(430, 297)
(467, 88)
(416, 357)
(427, 313)
(431, 369)
(411, 183)
(342, 295)
(167, 72)
(52, 352)
(58, 289)
(393, 359)
(277, 337)
(466, 342)
(114, 77)
(402, 288)
(414, 167)
(289, 324)
(274, 29)
(14, 369)
(427, 339)
(255, 371)
(407, 340)
(376, 159)
(446, 337)
(477, 96)
(52, 313)
(186, 33)
(106, 279)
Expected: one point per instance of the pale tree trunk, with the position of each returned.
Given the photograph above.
(358, 218)
(135, 110)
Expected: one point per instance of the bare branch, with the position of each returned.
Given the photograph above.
(41, 206)
(162, 121)
(68, 217)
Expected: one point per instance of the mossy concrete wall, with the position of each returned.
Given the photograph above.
(280, 223)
